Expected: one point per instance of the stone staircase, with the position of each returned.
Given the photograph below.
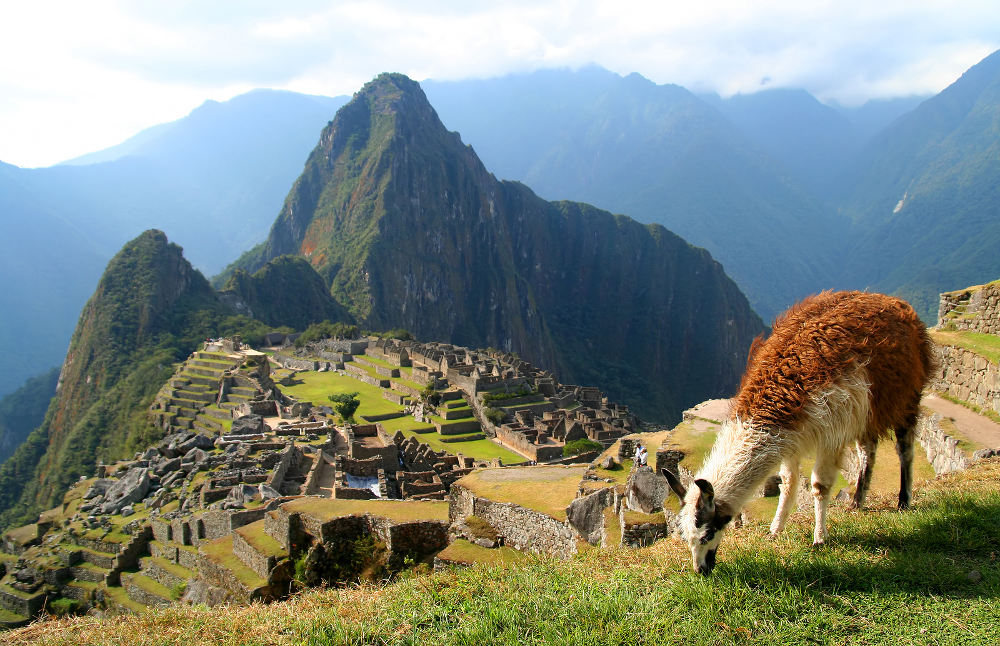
(183, 403)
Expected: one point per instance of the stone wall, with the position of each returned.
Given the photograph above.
(262, 564)
(968, 376)
(521, 528)
(974, 309)
(942, 450)
(518, 442)
(288, 459)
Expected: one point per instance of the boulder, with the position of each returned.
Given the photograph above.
(99, 488)
(609, 462)
(197, 441)
(130, 489)
(241, 494)
(247, 425)
(199, 592)
(586, 514)
(167, 466)
(195, 456)
(645, 490)
(267, 492)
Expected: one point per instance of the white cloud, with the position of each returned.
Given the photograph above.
(76, 76)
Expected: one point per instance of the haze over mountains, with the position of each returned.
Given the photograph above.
(790, 195)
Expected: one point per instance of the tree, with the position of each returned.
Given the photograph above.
(346, 404)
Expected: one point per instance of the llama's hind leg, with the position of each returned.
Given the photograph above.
(789, 493)
(823, 476)
(866, 464)
(904, 449)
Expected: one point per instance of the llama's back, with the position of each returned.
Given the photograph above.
(827, 338)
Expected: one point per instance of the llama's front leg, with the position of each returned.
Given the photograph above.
(904, 449)
(866, 464)
(789, 493)
(823, 476)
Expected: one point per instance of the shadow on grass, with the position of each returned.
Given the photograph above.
(934, 549)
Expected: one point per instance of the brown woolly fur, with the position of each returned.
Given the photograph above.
(826, 337)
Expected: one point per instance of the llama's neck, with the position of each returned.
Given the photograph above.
(743, 456)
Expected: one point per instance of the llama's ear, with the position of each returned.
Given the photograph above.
(675, 483)
(707, 497)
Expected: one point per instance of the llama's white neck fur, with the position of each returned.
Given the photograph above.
(746, 453)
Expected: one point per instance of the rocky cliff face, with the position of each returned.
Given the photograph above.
(410, 230)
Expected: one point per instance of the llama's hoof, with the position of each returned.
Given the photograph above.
(772, 536)
(818, 545)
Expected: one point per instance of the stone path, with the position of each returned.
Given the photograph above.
(975, 427)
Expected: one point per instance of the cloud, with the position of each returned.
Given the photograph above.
(111, 68)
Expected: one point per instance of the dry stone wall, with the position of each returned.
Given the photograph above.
(968, 376)
(942, 450)
(523, 529)
(974, 309)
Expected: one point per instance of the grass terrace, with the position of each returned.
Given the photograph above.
(221, 551)
(317, 386)
(400, 511)
(985, 345)
(484, 449)
(462, 551)
(548, 489)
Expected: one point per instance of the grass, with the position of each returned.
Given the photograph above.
(884, 577)
(476, 449)
(548, 489)
(462, 551)
(261, 541)
(985, 345)
(221, 551)
(316, 386)
(400, 511)
(405, 424)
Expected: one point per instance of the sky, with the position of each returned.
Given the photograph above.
(76, 77)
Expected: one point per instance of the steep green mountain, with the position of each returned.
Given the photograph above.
(22, 410)
(926, 194)
(150, 309)
(214, 179)
(409, 229)
(285, 292)
(660, 154)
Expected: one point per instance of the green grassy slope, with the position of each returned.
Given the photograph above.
(928, 576)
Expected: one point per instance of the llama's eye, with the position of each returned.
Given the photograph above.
(709, 535)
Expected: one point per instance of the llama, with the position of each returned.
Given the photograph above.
(839, 368)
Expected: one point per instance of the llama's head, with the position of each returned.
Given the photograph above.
(701, 520)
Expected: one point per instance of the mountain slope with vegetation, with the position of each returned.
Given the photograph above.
(150, 309)
(23, 410)
(410, 230)
(925, 195)
(286, 291)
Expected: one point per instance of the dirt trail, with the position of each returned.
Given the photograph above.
(975, 427)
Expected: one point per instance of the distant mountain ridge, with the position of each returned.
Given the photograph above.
(410, 230)
(659, 154)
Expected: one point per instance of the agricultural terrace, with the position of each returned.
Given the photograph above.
(400, 511)
(548, 489)
(315, 387)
